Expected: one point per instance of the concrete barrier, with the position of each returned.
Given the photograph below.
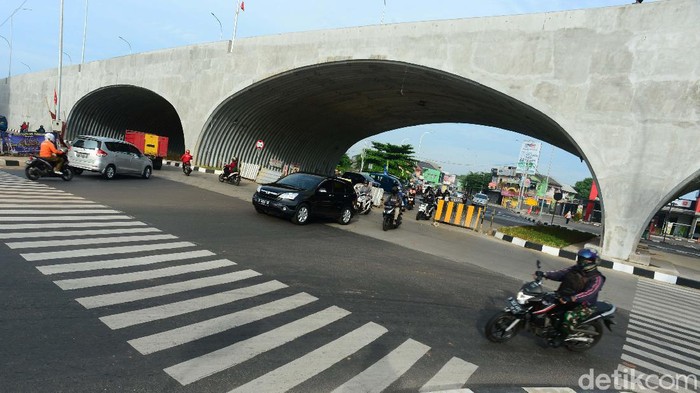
(458, 214)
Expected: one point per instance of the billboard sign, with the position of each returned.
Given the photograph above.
(529, 157)
(431, 175)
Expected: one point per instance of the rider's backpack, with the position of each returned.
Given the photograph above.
(573, 282)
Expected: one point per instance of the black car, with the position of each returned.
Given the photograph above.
(300, 196)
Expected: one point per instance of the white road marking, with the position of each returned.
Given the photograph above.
(91, 252)
(172, 338)
(292, 374)
(131, 318)
(98, 240)
(90, 232)
(163, 290)
(35, 212)
(96, 281)
(53, 225)
(61, 199)
(65, 218)
(662, 359)
(383, 373)
(119, 263)
(219, 360)
(44, 205)
(453, 375)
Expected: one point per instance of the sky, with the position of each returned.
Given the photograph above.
(118, 28)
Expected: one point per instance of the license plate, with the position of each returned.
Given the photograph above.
(514, 305)
(263, 202)
(81, 155)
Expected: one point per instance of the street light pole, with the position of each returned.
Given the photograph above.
(60, 71)
(221, 28)
(27, 65)
(82, 56)
(127, 42)
(69, 58)
(420, 141)
(9, 46)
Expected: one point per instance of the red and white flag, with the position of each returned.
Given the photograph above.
(242, 5)
(55, 98)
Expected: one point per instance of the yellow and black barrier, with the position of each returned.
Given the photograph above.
(464, 216)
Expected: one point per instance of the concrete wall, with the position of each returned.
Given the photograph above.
(620, 82)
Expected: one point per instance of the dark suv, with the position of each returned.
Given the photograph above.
(300, 196)
(360, 177)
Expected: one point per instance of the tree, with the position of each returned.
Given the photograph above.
(476, 181)
(398, 158)
(344, 164)
(583, 188)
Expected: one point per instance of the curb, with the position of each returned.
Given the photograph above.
(194, 168)
(9, 162)
(621, 267)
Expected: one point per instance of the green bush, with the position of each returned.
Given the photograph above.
(548, 235)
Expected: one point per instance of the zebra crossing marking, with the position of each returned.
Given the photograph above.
(63, 200)
(454, 374)
(54, 206)
(120, 263)
(66, 218)
(171, 338)
(203, 366)
(91, 232)
(91, 252)
(112, 279)
(549, 390)
(299, 370)
(386, 371)
(110, 299)
(56, 212)
(81, 242)
(53, 225)
(136, 317)
(650, 331)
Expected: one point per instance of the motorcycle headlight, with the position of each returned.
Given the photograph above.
(258, 189)
(289, 195)
(522, 298)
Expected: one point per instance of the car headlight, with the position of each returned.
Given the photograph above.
(523, 298)
(289, 195)
(258, 189)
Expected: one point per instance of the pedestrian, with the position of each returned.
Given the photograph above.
(568, 216)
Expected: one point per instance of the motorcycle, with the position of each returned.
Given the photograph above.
(535, 310)
(388, 217)
(425, 211)
(410, 201)
(187, 169)
(233, 178)
(363, 204)
(38, 167)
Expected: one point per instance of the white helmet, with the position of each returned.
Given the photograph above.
(50, 137)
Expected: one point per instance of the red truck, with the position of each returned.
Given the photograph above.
(151, 145)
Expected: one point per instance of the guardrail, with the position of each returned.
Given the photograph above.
(463, 215)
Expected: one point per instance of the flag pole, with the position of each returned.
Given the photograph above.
(235, 26)
(383, 12)
(60, 69)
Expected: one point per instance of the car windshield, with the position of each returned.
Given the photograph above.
(480, 196)
(300, 181)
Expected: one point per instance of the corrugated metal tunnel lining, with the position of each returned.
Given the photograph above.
(312, 115)
(111, 110)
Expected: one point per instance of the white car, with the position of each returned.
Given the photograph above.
(480, 199)
(108, 157)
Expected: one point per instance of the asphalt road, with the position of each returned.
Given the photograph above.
(433, 286)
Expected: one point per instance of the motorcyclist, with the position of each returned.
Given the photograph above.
(186, 158)
(578, 291)
(394, 199)
(363, 188)
(231, 168)
(48, 152)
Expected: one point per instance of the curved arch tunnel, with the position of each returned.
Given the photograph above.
(312, 115)
(111, 110)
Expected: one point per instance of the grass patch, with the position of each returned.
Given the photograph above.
(548, 235)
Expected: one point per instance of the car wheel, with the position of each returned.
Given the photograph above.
(345, 216)
(110, 172)
(301, 216)
(147, 171)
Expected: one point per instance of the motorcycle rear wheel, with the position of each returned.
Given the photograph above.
(67, 174)
(386, 223)
(579, 346)
(32, 173)
(419, 216)
(496, 327)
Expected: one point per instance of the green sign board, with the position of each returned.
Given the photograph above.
(431, 175)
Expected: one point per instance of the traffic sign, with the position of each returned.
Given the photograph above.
(259, 144)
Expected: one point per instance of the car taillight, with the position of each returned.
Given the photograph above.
(101, 153)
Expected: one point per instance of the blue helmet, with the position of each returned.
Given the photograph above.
(587, 259)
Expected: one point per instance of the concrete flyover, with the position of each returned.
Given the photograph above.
(615, 86)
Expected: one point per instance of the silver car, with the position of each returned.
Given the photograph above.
(108, 156)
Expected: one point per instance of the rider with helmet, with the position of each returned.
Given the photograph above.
(395, 199)
(231, 168)
(186, 158)
(48, 152)
(578, 291)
